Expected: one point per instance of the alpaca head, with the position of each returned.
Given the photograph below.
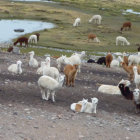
(121, 28)
(125, 83)
(90, 20)
(76, 66)
(124, 54)
(136, 93)
(19, 63)
(32, 53)
(94, 100)
(47, 60)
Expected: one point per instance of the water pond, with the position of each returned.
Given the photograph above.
(131, 11)
(7, 28)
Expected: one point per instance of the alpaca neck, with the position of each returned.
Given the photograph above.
(125, 67)
(31, 56)
(18, 68)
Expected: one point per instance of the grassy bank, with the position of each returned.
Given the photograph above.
(65, 36)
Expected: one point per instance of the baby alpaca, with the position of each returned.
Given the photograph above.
(80, 106)
(136, 98)
(93, 37)
(70, 73)
(15, 68)
(121, 39)
(91, 106)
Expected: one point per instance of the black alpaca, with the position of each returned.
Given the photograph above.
(125, 91)
(101, 60)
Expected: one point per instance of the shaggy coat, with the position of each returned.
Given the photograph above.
(108, 59)
(70, 73)
(22, 40)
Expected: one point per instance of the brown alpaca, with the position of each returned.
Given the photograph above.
(70, 73)
(129, 70)
(22, 40)
(108, 59)
(91, 36)
(125, 60)
(126, 25)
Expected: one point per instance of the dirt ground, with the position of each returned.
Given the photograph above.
(25, 116)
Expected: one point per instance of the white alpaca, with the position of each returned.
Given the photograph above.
(121, 39)
(40, 70)
(136, 77)
(74, 59)
(110, 89)
(136, 98)
(32, 39)
(91, 106)
(134, 59)
(96, 18)
(15, 68)
(80, 106)
(50, 71)
(116, 62)
(51, 85)
(77, 22)
(33, 62)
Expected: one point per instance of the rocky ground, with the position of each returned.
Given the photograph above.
(25, 116)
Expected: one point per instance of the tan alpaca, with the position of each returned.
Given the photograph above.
(129, 70)
(125, 60)
(108, 59)
(70, 73)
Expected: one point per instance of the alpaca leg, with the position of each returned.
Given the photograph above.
(53, 94)
(43, 93)
(66, 80)
(79, 68)
(48, 95)
(20, 43)
(72, 81)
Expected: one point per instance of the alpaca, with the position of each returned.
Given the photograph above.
(51, 85)
(33, 62)
(77, 22)
(96, 18)
(101, 61)
(70, 74)
(108, 59)
(15, 68)
(134, 59)
(126, 25)
(125, 59)
(40, 69)
(121, 39)
(116, 62)
(93, 37)
(91, 61)
(136, 77)
(136, 98)
(91, 106)
(80, 106)
(125, 91)
(129, 70)
(74, 59)
(32, 39)
(22, 40)
(114, 90)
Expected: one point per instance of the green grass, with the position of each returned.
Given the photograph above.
(65, 36)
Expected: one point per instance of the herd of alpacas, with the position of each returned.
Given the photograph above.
(51, 80)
